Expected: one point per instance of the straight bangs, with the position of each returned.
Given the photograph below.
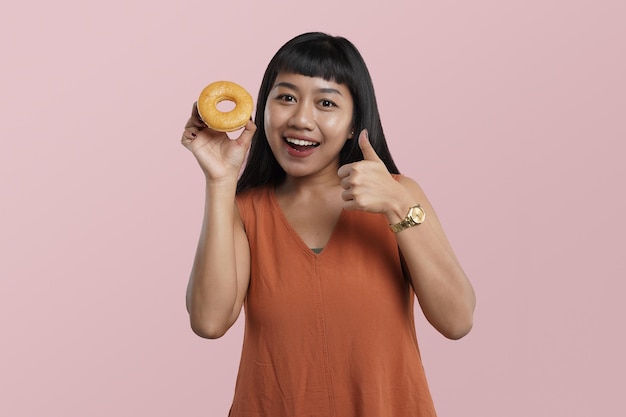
(318, 60)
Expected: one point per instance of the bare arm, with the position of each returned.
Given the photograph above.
(220, 274)
(442, 288)
(443, 291)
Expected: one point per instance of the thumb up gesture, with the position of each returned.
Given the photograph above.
(367, 185)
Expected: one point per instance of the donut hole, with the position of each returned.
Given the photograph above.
(225, 105)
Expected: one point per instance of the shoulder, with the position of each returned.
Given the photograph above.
(252, 193)
(409, 184)
(252, 198)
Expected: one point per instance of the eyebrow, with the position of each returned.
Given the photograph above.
(326, 90)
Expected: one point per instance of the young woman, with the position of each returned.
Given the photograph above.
(324, 243)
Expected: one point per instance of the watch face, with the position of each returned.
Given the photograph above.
(417, 214)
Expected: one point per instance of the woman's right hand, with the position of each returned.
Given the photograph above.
(219, 156)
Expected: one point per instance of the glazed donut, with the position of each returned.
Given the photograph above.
(216, 119)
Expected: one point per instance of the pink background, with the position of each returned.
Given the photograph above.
(511, 114)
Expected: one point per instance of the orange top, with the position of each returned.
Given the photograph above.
(329, 334)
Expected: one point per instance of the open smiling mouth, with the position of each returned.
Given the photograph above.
(301, 145)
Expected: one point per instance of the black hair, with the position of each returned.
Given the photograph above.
(333, 58)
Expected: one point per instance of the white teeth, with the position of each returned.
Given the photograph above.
(300, 142)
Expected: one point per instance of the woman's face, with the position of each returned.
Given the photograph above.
(307, 122)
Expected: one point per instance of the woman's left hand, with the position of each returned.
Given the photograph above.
(368, 185)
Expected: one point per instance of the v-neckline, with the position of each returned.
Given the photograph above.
(276, 206)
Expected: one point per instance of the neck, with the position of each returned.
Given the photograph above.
(318, 184)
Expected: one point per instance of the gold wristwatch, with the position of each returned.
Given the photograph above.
(414, 217)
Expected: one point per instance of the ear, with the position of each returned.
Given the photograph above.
(351, 136)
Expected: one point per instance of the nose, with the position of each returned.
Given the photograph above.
(303, 117)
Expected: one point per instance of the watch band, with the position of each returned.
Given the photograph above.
(414, 217)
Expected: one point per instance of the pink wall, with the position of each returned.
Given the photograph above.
(511, 114)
